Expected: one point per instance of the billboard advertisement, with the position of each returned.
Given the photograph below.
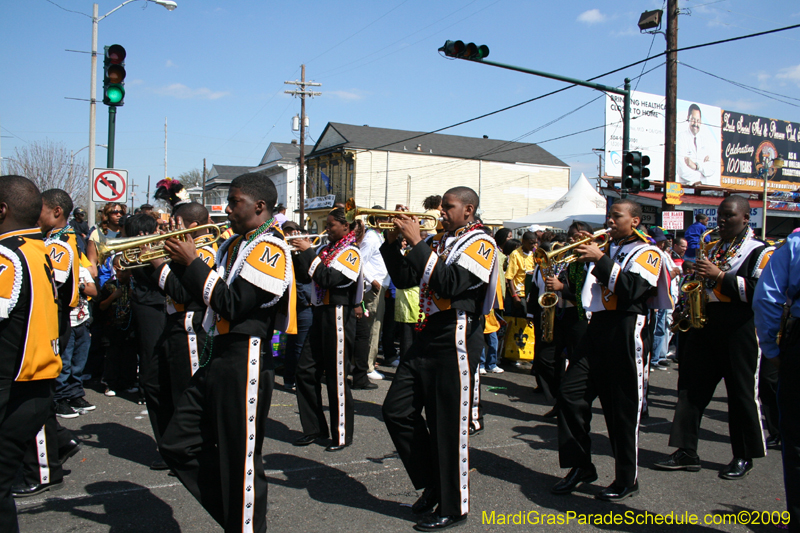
(749, 146)
(714, 146)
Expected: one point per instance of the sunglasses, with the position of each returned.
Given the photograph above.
(116, 212)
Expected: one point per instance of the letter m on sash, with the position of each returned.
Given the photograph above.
(271, 260)
(351, 258)
(484, 251)
(57, 256)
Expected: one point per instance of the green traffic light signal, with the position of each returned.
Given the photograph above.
(459, 50)
(114, 75)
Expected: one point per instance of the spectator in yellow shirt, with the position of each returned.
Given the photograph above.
(520, 261)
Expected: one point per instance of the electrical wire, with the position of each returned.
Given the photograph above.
(69, 10)
(760, 92)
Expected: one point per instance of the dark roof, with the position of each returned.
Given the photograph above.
(289, 150)
(369, 138)
(229, 172)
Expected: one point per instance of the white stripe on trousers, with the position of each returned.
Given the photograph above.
(41, 456)
(641, 323)
(476, 399)
(758, 401)
(464, 415)
(191, 337)
(251, 406)
(340, 372)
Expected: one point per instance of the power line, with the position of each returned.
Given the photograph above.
(760, 92)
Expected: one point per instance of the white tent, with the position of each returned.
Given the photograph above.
(581, 202)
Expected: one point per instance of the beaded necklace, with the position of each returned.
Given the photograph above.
(57, 234)
(720, 256)
(329, 253)
(208, 347)
(443, 251)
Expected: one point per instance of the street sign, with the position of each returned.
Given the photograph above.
(672, 220)
(109, 185)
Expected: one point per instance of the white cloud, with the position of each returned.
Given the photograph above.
(170, 63)
(179, 90)
(346, 95)
(790, 73)
(593, 16)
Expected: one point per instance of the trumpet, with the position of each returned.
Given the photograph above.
(319, 238)
(557, 251)
(138, 251)
(428, 222)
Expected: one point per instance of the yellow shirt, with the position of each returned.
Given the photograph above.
(518, 264)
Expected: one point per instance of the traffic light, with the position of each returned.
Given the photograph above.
(460, 50)
(635, 172)
(114, 76)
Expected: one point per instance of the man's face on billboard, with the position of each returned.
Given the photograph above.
(694, 122)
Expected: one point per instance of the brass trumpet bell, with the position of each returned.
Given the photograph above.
(558, 251)
(369, 217)
(138, 251)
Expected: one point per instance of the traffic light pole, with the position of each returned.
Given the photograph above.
(626, 92)
(112, 130)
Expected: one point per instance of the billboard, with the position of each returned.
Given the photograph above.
(713, 146)
(749, 146)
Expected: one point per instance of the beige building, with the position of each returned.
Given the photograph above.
(379, 166)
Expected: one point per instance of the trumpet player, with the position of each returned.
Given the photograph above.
(621, 286)
(726, 347)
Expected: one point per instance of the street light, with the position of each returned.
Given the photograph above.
(169, 5)
(73, 154)
(769, 164)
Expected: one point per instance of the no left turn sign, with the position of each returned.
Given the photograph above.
(109, 185)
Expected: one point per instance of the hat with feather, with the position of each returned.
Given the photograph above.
(172, 191)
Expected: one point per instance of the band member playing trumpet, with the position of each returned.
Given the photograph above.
(620, 288)
(725, 348)
(214, 440)
(338, 288)
(457, 275)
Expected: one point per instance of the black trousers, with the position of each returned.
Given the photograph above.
(214, 440)
(550, 358)
(789, 408)
(24, 406)
(327, 349)
(150, 321)
(608, 364)
(184, 341)
(726, 348)
(436, 375)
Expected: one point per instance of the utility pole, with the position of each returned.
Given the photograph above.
(165, 147)
(670, 113)
(204, 181)
(302, 93)
(147, 200)
(133, 196)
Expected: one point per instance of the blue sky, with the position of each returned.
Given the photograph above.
(216, 71)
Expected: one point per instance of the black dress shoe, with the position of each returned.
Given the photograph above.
(68, 450)
(575, 477)
(365, 386)
(426, 503)
(680, 460)
(434, 522)
(473, 431)
(338, 447)
(615, 493)
(305, 440)
(774, 442)
(23, 491)
(736, 469)
(159, 465)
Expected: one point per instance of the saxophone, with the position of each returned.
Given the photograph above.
(694, 297)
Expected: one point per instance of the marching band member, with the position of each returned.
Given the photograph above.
(54, 444)
(338, 288)
(29, 360)
(214, 440)
(725, 348)
(457, 275)
(184, 335)
(620, 288)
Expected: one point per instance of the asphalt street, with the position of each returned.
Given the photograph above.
(110, 488)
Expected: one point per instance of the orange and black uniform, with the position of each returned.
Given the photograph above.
(213, 441)
(457, 275)
(338, 288)
(41, 464)
(184, 336)
(29, 361)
